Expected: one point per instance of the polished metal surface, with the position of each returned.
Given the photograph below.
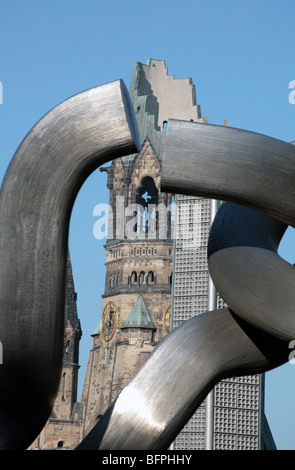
(250, 336)
(257, 172)
(230, 165)
(247, 271)
(37, 196)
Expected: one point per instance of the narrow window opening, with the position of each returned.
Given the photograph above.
(151, 278)
(142, 278)
(67, 346)
(147, 200)
(63, 386)
(133, 278)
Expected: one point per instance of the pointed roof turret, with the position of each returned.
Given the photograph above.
(139, 316)
(97, 330)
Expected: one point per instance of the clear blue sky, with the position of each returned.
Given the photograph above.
(239, 55)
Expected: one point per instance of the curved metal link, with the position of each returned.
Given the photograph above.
(37, 196)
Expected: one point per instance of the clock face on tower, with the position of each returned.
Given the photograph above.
(109, 321)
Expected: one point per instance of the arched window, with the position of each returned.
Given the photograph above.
(142, 278)
(147, 201)
(164, 126)
(133, 278)
(67, 349)
(151, 278)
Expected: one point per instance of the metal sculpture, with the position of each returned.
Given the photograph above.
(250, 336)
(37, 196)
(258, 172)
